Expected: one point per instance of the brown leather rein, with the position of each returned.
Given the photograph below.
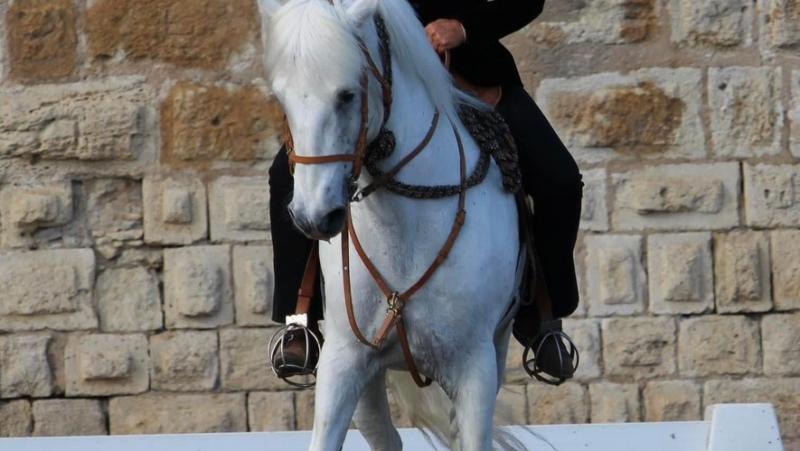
(396, 301)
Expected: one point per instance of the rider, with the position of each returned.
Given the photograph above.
(470, 30)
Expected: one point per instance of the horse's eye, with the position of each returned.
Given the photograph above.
(344, 97)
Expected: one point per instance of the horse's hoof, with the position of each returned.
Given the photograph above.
(555, 357)
(294, 354)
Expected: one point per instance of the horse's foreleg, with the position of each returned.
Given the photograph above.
(373, 417)
(342, 375)
(474, 392)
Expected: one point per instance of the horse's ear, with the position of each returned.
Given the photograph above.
(362, 10)
(268, 7)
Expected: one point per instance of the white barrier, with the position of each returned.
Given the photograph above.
(728, 427)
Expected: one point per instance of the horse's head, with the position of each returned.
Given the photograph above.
(316, 67)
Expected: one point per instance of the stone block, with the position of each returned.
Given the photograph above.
(47, 290)
(25, 369)
(786, 269)
(780, 336)
(747, 111)
(794, 114)
(742, 272)
(772, 195)
(639, 348)
(177, 414)
(615, 275)
(175, 210)
(649, 113)
(594, 210)
(515, 374)
(681, 275)
(780, 26)
(15, 418)
(719, 23)
(105, 364)
(304, 406)
(784, 394)
(184, 361)
(586, 335)
(512, 406)
(558, 405)
(115, 208)
(672, 401)
(677, 197)
(197, 287)
(244, 358)
(42, 39)
(25, 209)
(128, 300)
(201, 124)
(68, 417)
(719, 345)
(271, 411)
(208, 34)
(615, 403)
(254, 280)
(607, 22)
(98, 120)
(239, 209)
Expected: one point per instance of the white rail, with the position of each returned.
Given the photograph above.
(728, 427)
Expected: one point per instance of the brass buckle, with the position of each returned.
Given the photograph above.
(396, 305)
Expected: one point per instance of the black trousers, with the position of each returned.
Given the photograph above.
(550, 176)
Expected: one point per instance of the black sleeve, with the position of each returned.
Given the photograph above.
(494, 20)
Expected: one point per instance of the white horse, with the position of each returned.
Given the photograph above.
(458, 324)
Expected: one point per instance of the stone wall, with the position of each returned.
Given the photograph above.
(135, 268)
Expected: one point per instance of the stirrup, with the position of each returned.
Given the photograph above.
(550, 330)
(276, 345)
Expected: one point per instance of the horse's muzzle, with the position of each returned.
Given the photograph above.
(324, 228)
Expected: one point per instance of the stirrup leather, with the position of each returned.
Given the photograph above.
(550, 330)
(293, 374)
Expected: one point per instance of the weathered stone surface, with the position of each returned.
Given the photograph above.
(677, 197)
(723, 23)
(244, 358)
(781, 344)
(594, 211)
(607, 22)
(24, 209)
(47, 290)
(185, 33)
(512, 406)
(128, 300)
(615, 275)
(586, 335)
(42, 39)
(271, 411)
(784, 394)
(719, 345)
(68, 417)
(100, 120)
(772, 195)
(175, 210)
(239, 209)
(672, 401)
(515, 374)
(747, 111)
(177, 414)
(615, 403)
(794, 115)
(105, 364)
(786, 269)
(304, 406)
(205, 123)
(742, 272)
(197, 287)
(680, 270)
(557, 405)
(649, 113)
(24, 366)
(15, 419)
(639, 348)
(115, 208)
(780, 25)
(184, 361)
(254, 280)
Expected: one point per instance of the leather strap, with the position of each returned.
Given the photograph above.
(306, 292)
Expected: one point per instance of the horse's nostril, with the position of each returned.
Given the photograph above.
(333, 222)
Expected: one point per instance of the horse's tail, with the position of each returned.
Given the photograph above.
(430, 410)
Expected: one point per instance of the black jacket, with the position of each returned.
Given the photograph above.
(482, 60)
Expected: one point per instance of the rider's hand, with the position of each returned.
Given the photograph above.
(445, 34)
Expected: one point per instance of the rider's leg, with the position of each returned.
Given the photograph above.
(373, 417)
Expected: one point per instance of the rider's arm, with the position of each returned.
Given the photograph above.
(493, 20)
